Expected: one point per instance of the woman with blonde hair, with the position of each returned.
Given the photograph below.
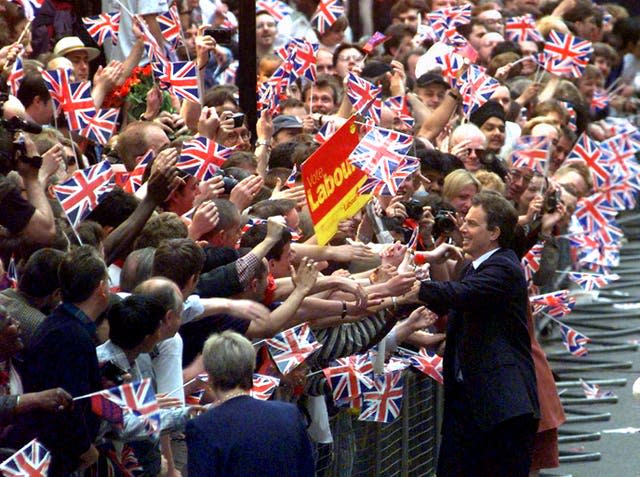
(460, 186)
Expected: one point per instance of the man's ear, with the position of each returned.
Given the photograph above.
(495, 234)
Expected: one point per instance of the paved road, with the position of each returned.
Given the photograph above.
(620, 453)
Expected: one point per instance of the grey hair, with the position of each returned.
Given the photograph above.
(230, 359)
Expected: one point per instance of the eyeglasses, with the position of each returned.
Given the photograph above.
(516, 174)
(356, 58)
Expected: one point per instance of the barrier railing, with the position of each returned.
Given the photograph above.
(403, 448)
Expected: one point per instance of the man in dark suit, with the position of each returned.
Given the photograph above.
(491, 406)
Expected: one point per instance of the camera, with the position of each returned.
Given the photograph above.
(413, 208)
(12, 148)
(551, 202)
(112, 372)
(238, 120)
(222, 36)
(444, 223)
(229, 181)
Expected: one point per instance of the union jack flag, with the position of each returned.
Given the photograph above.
(531, 261)
(30, 7)
(522, 29)
(103, 26)
(376, 39)
(202, 148)
(107, 410)
(384, 402)
(299, 56)
(326, 15)
(589, 281)
(592, 391)
(569, 50)
(135, 178)
(153, 50)
(139, 399)
(556, 304)
(412, 243)
(101, 125)
(180, 77)
(380, 152)
(229, 74)
(595, 212)
(81, 193)
(477, 87)
(169, 23)
(291, 180)
(574, 341)
(325, 132)
(587, 150)
(291, 347)
(620, 153)
(572, 124)
(277, 9)
(450, 63)
(600, 100)
(347, 379)
(531, 152)
(78, 105)
(15, 76)
(429, 364)
(362, 94)
(57, 82)
(398, 105)
(32, 460)
(263, 386)
(408, 166)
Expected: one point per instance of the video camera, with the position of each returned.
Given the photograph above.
(13, 147)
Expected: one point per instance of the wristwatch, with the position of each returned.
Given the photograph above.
(263, 142)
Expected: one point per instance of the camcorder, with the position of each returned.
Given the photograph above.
(12, 145)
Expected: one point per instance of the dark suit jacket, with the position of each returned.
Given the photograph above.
(245, 436)
(63, 354)
(487, 341)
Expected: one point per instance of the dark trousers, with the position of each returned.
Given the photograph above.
(504, 451)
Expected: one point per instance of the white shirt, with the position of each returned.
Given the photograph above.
(482, 258)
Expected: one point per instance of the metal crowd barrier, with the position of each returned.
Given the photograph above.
(403, 448)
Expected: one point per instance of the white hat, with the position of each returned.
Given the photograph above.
(69, 44)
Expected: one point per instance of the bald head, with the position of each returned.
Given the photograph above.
(137, 138)
(165, 291)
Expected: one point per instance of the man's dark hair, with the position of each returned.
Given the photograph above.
(500, 214)
(39, 276)
(178, 260)
(506, 47)
(272, 207)
(404, 6)
(220, 94)
(80, 273)
(434, 160)
(628, 31)
(114, 208)
(258, 233)
(326, 81)
(133, 319)
(396, 34)
(241, 159)
(282, 155)
(466, 29)
(32, 85)
(90, 233)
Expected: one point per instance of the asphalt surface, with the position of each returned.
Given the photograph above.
(612, 321)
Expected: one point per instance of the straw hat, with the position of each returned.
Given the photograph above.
(69, 44)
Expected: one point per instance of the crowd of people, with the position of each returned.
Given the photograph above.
(147, 238)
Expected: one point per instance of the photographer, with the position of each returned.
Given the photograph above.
(29, 217)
